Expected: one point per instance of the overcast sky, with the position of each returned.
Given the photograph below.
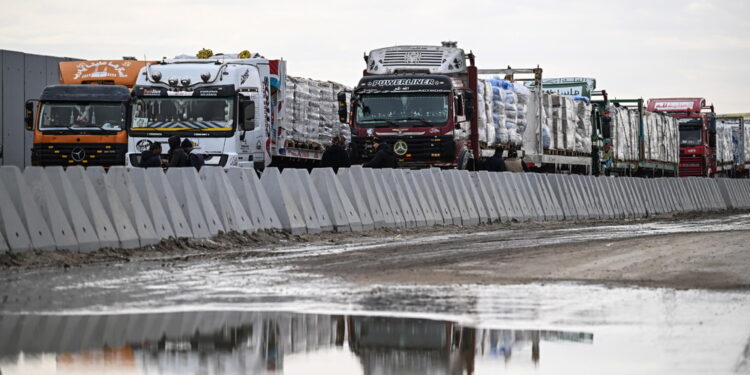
(634, 48)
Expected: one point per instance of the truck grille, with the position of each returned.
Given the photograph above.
(692, 166)
(413, 58)
(419, 148)
(65, 154)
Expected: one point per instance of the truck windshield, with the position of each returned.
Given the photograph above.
(690, 131)
(59, 116)
(407, 109)
(183, 114)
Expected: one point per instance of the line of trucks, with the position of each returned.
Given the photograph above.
(432, 104)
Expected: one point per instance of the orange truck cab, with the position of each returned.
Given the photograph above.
(83, 120)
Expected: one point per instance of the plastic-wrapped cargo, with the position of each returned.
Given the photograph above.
(661, 138)
(310, 112)
(724, 144)
(746, 144)
(508, 110)
(625, 129)
(583, 128)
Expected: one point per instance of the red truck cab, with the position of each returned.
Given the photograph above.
(418, 100)
(697, 133)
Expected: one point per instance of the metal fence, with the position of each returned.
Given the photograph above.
(22, 77)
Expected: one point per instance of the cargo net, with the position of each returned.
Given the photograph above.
(309, 116)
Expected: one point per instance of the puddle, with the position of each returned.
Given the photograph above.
(472, 329)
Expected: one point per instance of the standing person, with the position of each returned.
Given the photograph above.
(384, 157)
(177, 156)
(335, 156)
(196, 159)
(496, 162)
(151, 158)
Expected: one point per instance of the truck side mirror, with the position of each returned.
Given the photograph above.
(343, 110)
(247, 115)
(469, 105)
(28, 118)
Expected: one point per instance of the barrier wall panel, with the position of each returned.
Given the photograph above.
(314, 196)
(28, 209)
(379, 177)
(93, 207)
(469, 215)
(362, 198)
(50, 208)
(441, 204)
(486, 198)
(290, 178)
(173, 208)
(247, 197)
(562, 197)
(281, 200)
(389, 217)
(524, 211)
(506, 198)
(11, 224)
(442, 186)
(391, 181)
(85, 231)
(473, 196)
(130, 198)
(225, 201)
(152, 202)
(113, 207)
(496, 195)
(531, 196)
(416, 197)
(429, 204)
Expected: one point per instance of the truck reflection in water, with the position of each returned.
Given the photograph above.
(254, 342)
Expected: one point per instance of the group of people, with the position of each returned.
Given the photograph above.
(336, 156)
(180, 154)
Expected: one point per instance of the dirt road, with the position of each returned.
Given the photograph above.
(718, 260)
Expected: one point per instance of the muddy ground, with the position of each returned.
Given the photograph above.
(504, 253)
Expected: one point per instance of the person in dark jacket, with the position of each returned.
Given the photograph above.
(177, 156)
(196, 159)
(151, 158)
(496, 163)
(384, 157)
(335, 156)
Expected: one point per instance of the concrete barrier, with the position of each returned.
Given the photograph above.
(420, 219)
(440, 183)
(355, 194)
(531, 196)
(93, 207)
(337, 192)
(469, 214)
(248, 198)
(85, 231)
(114, 208)
(282, 202)
(430, 204)
(51, 210)
(166, 197)
(15, 236)
(390, 181)
(260, 194)
(493, 189)
(379, 178)
(326, 225)
(294, 184)
(389, 217)
(520, 205)
(419, 202)
(486, 199)
(195, 201)
(225, 201)
(354, 181)
(27, 208)
(473, 196)
(152, 202)
(130, 198)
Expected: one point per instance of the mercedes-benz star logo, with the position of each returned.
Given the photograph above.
(400, 148)
(78, 154)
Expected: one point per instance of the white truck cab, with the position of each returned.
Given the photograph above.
(225, 106)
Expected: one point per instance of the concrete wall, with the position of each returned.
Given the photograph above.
(22, 77)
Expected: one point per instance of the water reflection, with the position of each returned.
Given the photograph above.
(255, 342)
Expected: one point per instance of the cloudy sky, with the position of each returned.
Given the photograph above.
(634, 48)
